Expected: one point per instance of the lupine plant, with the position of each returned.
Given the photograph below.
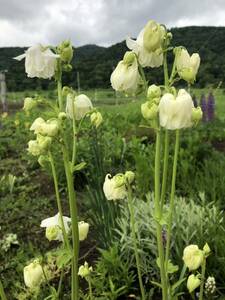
(169, 112)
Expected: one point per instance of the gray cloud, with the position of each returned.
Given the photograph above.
(101, 22)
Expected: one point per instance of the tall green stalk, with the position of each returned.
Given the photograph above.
(165, 168)
(72, 203)
(65, 237)
(2, 292)
(134, 239)
(173, 187)
(158, 215)
(202, 279)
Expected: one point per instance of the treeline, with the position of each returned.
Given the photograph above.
(94, 64)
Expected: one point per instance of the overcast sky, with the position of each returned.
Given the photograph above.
(102, 22)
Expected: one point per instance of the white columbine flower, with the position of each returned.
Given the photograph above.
(84, 270)
(148, 45)
(39, 62)
(193, 257)
(33, 274)
(187, 66)
(83, 229)
(114, 187)
(193, 283)
(176, 113)
(126, 77)
(49, 128)
(79, 106)
(54, 227)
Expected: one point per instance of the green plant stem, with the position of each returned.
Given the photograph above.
(59, 84)
(202, 279)
(90, 288)
(65, 237)
(2, 292)
(132, 221)
(165, 168)
(143, 77)
(72, 204)
(171, 206)
(60, 284)
(158, 215)
(74, 219)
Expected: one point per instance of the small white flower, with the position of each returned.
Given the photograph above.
(187, 66)
(84, 270)
(126, 77)
(33, 274)
(193, 257)
(83, 229)
(114, 187)
(39, 62)
(176, 113)
(193, 283)
(54, 223)
(79, 106)
(148, 45)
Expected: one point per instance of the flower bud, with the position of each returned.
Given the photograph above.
(119, 180)
(44, 142)
(62, 116)
(193, 283)
(96, 119)
(129, 176)
(52, 232)
(153, 36)
(34, 148)
(197, 114)
(29, 103)
(154, 91)
(206, 249)
(37, 125)
(129, 58)
(84, 270)
(149, 110)
(33, 274)
(193, 257)
(83, 229)
(66, 51)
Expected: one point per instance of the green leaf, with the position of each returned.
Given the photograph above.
(157, 284)
(64, 257)
(79, 166)
(177, 284)
(171, 268)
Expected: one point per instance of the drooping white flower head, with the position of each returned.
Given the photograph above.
(39, 62)
(54, 227)
(126, 77)
(96, 119)
(79, 105)
(29, 104)
(114, 187)
(187, 66)
(83, 229)
(193, 283)
(176, 113)
(193, 257)
(49, 128)
(33, 274)
(148, 45)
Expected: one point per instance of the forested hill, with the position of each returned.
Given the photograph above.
(95, 64)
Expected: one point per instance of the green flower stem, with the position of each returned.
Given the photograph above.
(72, 203)
(158, 215)
(202, 279)
(90, 288)
(2, 292)
(143, 77)
(65, 237)
(60, 284)
(75, 232)
(171, 206)
(74, 139)
(132, 220)
(165, 168)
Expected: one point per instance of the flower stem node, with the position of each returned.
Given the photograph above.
(154, 91)
(193, 283)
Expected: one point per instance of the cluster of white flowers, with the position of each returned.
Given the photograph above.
(210, 285)
(8, 240)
